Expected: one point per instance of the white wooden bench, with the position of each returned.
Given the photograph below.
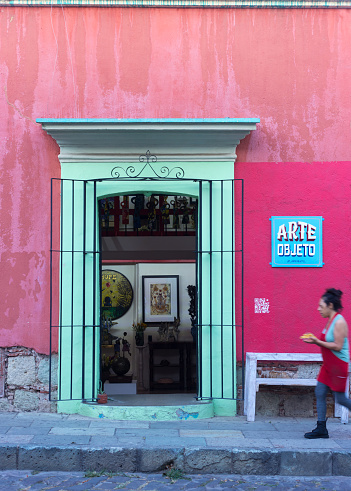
(252, 382)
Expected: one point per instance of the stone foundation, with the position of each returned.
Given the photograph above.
(24, 385)
(24, 380)
(284, 400)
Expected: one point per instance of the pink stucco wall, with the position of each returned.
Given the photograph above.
(293, 189)
(290, 68)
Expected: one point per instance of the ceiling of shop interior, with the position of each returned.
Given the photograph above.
(148, 248)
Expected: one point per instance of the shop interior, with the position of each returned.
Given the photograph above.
(148, 295)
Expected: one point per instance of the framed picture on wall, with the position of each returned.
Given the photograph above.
(160, 298)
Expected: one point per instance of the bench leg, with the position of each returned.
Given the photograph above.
(341, 411)
(246, 385)
(344, 410)
(251, 389)
(344, 415)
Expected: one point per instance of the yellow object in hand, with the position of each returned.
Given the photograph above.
(307, 335)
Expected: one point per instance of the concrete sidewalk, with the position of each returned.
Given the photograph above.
(268, 446)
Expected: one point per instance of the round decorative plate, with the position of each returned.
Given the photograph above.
(116, 294)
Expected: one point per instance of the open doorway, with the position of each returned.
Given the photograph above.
(148, 290)
(189, 157)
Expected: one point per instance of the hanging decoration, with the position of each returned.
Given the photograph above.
(138, 202)
(106, 206)
(175, 203)
(125, 210)
(151, 216)
(165, 210)
(185, 211)
(193, 213)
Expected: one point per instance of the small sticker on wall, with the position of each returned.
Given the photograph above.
(261, 306)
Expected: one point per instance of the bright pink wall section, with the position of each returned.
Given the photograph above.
(290, 68)
(293, 189)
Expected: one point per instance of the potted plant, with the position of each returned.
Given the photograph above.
(102, 396)
(106, 362)
(139, 329)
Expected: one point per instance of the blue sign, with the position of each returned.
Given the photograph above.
(297, 242)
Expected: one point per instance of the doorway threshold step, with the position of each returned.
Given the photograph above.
(150, 407)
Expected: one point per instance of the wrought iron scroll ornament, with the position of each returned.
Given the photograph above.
(131, 171)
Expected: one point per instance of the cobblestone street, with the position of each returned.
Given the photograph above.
(79, 481)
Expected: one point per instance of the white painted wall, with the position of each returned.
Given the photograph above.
(134, 273)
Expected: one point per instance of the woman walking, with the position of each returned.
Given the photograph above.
(334, 345)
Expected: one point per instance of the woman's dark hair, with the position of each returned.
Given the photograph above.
(333, 296)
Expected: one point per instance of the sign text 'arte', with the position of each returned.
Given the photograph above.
(297, 242)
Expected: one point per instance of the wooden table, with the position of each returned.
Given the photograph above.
(180, 356)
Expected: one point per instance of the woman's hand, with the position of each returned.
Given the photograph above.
(309, 338)
(312, 340)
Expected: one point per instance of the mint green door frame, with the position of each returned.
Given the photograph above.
(80, 285)
(216, 288)
(77, 258)
(206, 150)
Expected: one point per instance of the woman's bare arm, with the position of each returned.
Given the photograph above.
(340, 333)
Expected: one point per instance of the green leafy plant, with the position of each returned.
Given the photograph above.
(103, 472)
(106, 362)
(94, 473)
(174, 474)
(101, 389)
(106, 473)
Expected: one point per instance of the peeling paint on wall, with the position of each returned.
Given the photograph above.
(288, 67)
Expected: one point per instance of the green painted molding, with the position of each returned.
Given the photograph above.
(91, 149)
(266, 4)
(123, 140)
